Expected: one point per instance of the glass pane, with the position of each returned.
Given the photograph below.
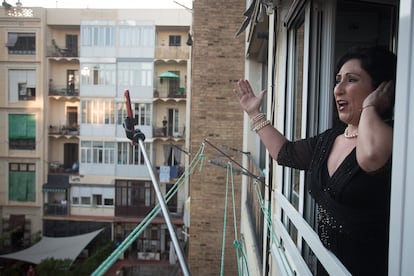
(297, 106)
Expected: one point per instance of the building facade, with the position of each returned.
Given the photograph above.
(64, 77)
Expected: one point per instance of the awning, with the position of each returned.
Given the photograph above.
(169, 75)
(56, 183)
(56, 248)
(248, 14)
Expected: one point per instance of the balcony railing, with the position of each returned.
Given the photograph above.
(159, 131)
(64, 130)
(63, 91)
(56, 51)
(56, 209)
(163, 91)
(172, 52)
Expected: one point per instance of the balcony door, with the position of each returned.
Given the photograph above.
(173, 119)
(72, 45)
(72, 80)
(70, 154)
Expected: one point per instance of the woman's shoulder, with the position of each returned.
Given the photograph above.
(330, 133)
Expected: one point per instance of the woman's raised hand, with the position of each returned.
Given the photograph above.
(249, 102)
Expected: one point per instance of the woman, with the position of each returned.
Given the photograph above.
(348, 166)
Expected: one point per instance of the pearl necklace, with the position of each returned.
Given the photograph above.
(349, 136)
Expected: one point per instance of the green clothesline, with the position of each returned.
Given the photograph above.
(126, 243)
(198, 161)
(236, 242)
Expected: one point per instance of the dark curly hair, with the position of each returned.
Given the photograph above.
(379, 63)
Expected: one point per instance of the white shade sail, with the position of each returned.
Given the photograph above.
(57, 248)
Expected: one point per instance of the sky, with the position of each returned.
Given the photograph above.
(110, 4)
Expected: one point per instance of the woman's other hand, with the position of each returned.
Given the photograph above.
(381, 98)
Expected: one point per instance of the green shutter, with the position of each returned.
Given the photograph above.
(22, 126)
(22, 186)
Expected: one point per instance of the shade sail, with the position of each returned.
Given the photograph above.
(56, 248)
(169, 75)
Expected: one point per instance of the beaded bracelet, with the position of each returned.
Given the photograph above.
(261, 125)
(257, 118)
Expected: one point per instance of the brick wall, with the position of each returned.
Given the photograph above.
(218, 61)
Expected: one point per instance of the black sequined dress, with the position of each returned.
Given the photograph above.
(353, 206)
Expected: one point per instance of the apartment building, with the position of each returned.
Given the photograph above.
(22, 106)
(64, 74)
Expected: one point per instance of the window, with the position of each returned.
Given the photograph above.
(175, 40)
(129, 36)
(85, 200)
(22, 131)
(72, 45)
(97, 200)
(26, 93)
(101, 36)
(172, 204)
(312, 42)
(173, 122)
(133, 197)
(138, 194)
(257, 167)
(98, 74)
(108, 201)
(22, 85)
(72, 115)
(135, 74)
(21, 43)
(22, 182)
(130, 155)
(75, 200)
(173, 84)
(142, 113)
(97, 152)
(98, 112)
(88, 195)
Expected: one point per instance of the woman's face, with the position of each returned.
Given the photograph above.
(353, 85)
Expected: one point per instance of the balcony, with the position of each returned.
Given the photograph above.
(163, 92)
(62, 130)
(172, 52)
(56, 209)
(56, 51)
(63, 91)
(55, 192)
(165, 132)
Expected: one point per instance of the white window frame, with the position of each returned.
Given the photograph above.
(98, 112)
(286, 252)
(97, 152)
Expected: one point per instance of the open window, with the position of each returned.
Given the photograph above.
(21, 43)
(317, 33)
(22, 85)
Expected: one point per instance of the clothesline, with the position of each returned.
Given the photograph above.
(126, 243)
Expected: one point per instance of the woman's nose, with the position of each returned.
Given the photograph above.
(338, 89)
